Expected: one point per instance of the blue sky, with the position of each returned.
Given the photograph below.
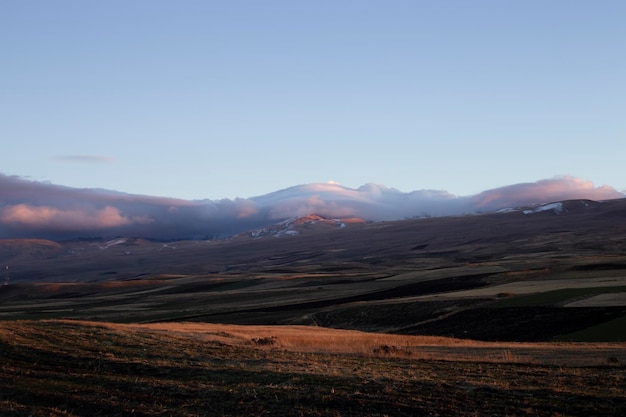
(224, 99)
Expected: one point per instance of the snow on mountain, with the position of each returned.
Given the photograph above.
(557, 208)
(114, 242)
(371, 201)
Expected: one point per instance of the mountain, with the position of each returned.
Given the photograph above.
(30, 209)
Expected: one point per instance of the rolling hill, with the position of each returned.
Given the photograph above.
(532, 273)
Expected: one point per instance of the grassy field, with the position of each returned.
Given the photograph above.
(66, 368)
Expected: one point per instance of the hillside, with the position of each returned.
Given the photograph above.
(67, 369)
(538, 273)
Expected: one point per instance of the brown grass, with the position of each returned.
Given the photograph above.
(69, 368)
(308, 339)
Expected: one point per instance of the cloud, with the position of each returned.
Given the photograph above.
(73, 220)
(43, 210)
(90, 159)
(556, 189)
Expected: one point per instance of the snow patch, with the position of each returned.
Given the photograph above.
(507, 210)
(113, 242)
(557, 208)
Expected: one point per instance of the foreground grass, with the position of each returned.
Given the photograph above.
(62, 368)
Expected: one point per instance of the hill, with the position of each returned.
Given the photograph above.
(67, 368)
(529, 274)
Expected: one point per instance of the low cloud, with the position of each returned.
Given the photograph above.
(556, 189)
(43, 210)
(49, 217)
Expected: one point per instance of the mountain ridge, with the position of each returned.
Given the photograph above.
(32, 209)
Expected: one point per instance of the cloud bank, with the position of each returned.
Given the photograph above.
(30, 209)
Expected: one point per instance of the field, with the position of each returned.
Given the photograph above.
(501, 314)
(66, 368)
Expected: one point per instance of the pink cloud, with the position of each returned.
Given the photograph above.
(543, 191)
(245, 209)
(34, 209)
(54, 219)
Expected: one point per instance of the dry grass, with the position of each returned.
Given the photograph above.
(68, 368)
(308, 339)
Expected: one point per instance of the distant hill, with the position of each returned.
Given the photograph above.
(363, 245)
(22, 250)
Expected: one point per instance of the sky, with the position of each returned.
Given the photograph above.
(219, 100)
